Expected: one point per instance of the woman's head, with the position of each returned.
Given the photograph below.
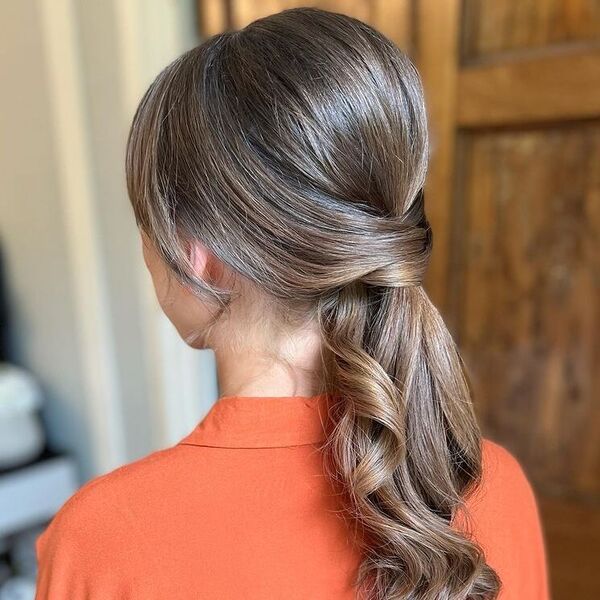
(292, 151)
(281, 168)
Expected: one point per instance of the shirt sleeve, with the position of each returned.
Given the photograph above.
(503, 516)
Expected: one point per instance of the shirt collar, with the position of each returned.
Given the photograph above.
(262, 422)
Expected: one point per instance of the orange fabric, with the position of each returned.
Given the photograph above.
(240, 509)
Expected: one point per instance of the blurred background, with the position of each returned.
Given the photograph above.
(93, 376)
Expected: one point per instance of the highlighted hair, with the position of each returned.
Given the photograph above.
(296, 150)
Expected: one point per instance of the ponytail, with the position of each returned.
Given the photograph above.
(404, 444)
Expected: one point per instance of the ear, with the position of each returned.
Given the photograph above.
(199, 256)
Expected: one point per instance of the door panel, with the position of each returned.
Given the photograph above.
(516, 108)
(528, 296)
(504, 25)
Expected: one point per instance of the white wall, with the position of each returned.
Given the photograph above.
(119, 382)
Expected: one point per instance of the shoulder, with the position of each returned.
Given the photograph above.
(94, 529)
(503, 516)
(504, 493)
(504, 476)
(101, 503)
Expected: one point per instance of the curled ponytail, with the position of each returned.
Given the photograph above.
(296, 151)
(405, 445)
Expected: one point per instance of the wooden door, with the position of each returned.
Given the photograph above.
(513, 93)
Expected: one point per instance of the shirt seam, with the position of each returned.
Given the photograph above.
(206, 445)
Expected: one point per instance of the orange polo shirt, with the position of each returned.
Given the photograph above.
(241, 509)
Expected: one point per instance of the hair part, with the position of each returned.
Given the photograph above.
(296, 151)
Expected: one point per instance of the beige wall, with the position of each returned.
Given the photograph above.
(32, 229)
(118, 382)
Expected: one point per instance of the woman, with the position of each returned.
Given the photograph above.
(276, 174)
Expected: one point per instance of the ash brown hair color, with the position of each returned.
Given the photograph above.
(296, 150)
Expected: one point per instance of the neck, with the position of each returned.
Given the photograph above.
(288, 367)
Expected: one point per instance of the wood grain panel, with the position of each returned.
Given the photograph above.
(437, 34)
(509, 25)
(391, 18)
(246, 11)
(572, 532)
(558, 86)
(213, 17)
(529, 297)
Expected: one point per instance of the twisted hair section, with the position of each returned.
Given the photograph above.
(296, 150)
(405, 445)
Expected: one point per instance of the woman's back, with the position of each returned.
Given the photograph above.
(241, 508)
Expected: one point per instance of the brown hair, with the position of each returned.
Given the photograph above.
(296, 150)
